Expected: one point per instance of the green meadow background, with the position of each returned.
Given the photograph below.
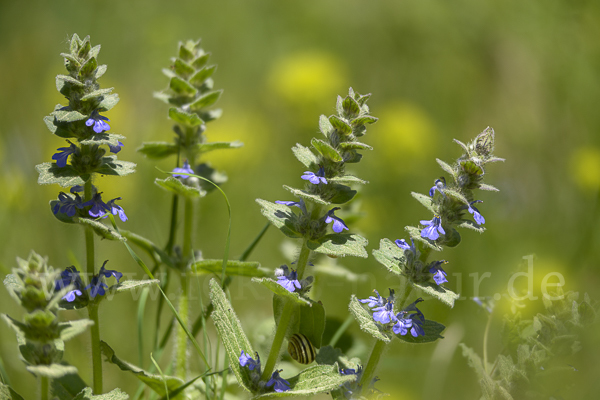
(437, 70)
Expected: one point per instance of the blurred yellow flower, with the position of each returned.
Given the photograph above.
(585, 167)
(309, 80)
(404, 130)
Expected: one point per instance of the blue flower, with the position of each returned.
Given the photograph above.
(99, 207)
(186, 169)
(78, 189)
(374, 301)
(278, 383)
(439, 275)
(300, 204)
(63, 154)
(313, 178)
(247, 361)
(115, 209)
(288, 278)
(384, 314)
(440, 185)
(70, 276)
(97, 286)
(476, 214)
(433, 227)
(410, 319)
(67, 205)
(98, 121)
(117, 148)
(338, 224)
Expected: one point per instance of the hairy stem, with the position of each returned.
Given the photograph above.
(44, 388)
(369, 371)
(303, 259)
(182, 339)
(286, 317)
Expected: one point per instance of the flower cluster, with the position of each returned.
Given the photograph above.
(410, 319)
(277, 382)
(70, 279)
(288, 278)
(70, 204)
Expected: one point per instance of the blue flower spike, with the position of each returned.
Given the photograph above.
(317, 178)
(288, 278)
(374, 301)
(98, 121)
(300, 204)
(70, 276)
(338, 223)
(433, 227)
(439, 185)
(410, 320)
(186, 169)
(439, 275)
(247, 361)
(99, 207)
(278, 383)
(476, 214)
(115, 209)
(117, 148)
(63, 154)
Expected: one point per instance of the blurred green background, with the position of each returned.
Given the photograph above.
(437, 71)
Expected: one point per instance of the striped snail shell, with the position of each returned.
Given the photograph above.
(301, 349)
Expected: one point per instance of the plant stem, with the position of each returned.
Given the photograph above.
(44, 388)
(182, 339)
(188, 228)
(303, 259)
(93, 307)
(369, 370)
(485, 339)
(286, 317)
(338, 334)
(401, 303)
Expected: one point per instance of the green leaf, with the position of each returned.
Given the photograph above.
(174, 185)
(346, 180)
(473, 360)
(343, 194)
(312, 322)
(415, 233)
(366, 322)
(101, 70)
(158, 150)
(340, 245)
(66, 80)
(231, 334)
(340, 125)
(468, 224)
(354, 146)
(52, 371)
(390, 256)
(68, 386)
(313, 380)
(305, 156)
(446, 168)
(100, 229)
(210, 146)
(471, 167)
(490, 188)
(233, 268)
(129, 285)
(206, 100)
(154, 382)
(326, 150)
(13, 285)
(113, 166)
(366, 119)
(51, 173)
(181, 87)
(7, 393)
(108, 102)
(96, 94)
(456, 195)
(201, 61)
(200, 76)
(184, 118)
(279, 303)
(281, 217)
(210, 115)
(351, 107)
(432, 333)
(276, 288)
(70, 329)
(104, 138)
(325, 126)
(426, 201)
(307, 196)
(68, 116)
(182, 68)
(444, 295)
(115, 394)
